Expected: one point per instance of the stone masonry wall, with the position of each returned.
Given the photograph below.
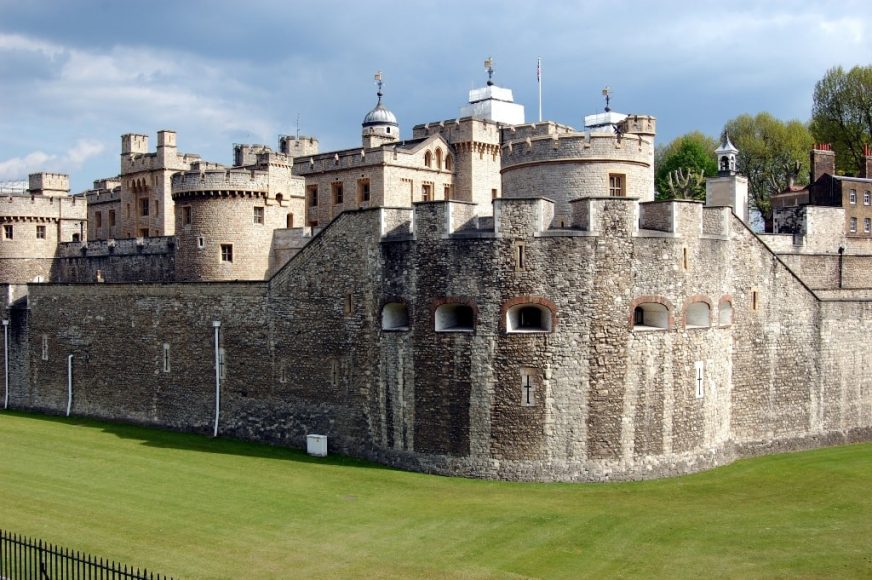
(117, 333)
(590, 396)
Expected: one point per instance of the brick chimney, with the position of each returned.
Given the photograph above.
(866, 166)
(823, 160)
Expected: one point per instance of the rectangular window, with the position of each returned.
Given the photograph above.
(349, 304)
(187, 215)
(7, 232)
(447, 192)
(852, 197)
(867, 198)
(867, 225)
(128, 210)
(40, 232)
(166, 357)
(44, 347)
(143, 233)
(337, 193)
(226, 252)
(98, 220)
(426, 192)
(143, 207)
(363, 190)
(258, 215)
(201, 242)
(494, 193)
(156, 207)
(853, 225)
(111, 218)
(312, 194)
(616, 185)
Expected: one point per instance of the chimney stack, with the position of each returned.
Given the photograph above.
(866, 166)
(823, 161)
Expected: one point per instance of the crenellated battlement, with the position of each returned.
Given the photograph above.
(226, 181)
(517, 218)
(464, 129)
(14, 207)
(48, 183)
(531, 130)
(298, 146)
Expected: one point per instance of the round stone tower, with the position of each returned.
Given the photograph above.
(563, 164)
(224, 224)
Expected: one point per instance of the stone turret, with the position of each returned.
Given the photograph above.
(729, 188)
(380, 125)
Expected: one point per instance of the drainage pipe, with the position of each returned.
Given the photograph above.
(69, 384)
(6, 362)
(216, 324)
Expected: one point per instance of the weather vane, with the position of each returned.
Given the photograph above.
(489, 67)
(607, 93)
(379, 82)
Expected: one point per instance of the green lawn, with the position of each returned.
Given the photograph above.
(194, 507)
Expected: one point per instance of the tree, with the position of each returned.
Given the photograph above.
(690, 153)
(773, 155)
(842, 114)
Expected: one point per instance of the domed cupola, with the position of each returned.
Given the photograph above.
(380, 125)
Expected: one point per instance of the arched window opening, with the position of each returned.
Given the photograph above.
(438, 158)
(650, 316)
(698, 315)
(290, 220)
(395, 316)
(528, 318)
(725, 163)
(449, 163)
(455, 318)
(279, 198)
(725, 313)
(428, 159)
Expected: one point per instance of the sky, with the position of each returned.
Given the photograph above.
(76, 75)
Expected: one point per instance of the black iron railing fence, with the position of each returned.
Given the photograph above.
(23, 558)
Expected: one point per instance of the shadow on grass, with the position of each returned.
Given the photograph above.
(162, 438)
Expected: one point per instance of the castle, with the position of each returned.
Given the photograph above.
(490, 298)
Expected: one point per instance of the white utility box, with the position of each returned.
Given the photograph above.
(316, 445)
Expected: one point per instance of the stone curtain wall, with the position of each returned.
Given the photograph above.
(128, 260)
(821, 271)
(116, 335)
(306, 353)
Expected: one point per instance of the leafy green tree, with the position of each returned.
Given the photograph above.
(693, 152)
(773, 155)
(842, 114)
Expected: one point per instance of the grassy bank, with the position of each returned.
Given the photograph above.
(193, 507)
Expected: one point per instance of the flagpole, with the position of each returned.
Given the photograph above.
(539, 82)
